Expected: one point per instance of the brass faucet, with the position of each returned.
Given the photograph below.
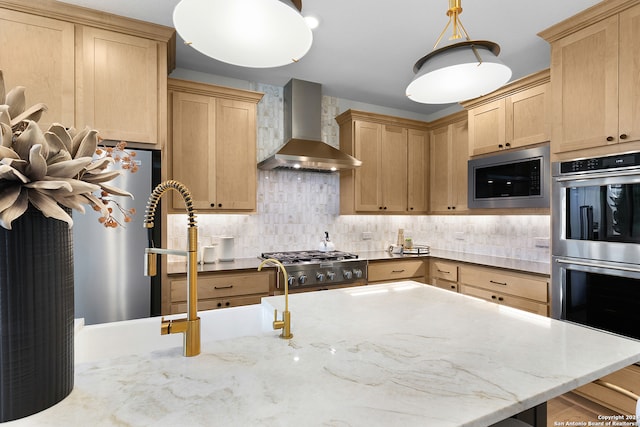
(285, 323)
(189, 326)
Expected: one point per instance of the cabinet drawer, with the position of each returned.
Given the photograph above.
(444, 284)
(223, 285)
(513, 283)
(393, 270)
(509, 300)
(444, 270)
(212, 304)
(628, 378)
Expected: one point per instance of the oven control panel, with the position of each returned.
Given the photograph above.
(601, 163)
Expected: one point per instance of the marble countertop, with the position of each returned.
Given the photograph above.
(492, 261)
(393, 354)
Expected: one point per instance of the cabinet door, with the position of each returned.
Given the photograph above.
(368, 145)
(192, 148)
(584, 72)
(418, 171)
(527, 117)
(118, 89)
(439, 170)
(458, 167)
(629, 119)
(39, 54)
(235, 155)
(487, 128)
(394, 169)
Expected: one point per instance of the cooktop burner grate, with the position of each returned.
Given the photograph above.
(293, 257)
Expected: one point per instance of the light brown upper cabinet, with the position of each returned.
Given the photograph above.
(449, 148)
(39, 54)
(516, 115)
(123, 80)
(212, 149)
(394, 175)
(89, 67)
(595, 64)
(418, 153)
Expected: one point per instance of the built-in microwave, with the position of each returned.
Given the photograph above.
(514, 179)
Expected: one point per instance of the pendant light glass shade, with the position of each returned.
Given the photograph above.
(247, 33)
(459, 71)
(453, 73)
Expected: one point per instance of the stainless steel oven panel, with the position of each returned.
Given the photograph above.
(559, 267)
(598, 250)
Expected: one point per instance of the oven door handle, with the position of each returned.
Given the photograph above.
(597, 175)
(594, 264)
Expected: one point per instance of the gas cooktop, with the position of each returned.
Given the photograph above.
(317, 269)
(300, 257)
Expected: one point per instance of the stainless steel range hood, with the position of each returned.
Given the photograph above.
(304, 149)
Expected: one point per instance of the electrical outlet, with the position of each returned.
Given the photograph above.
(459, 235)
(541, 242)
(367, 235)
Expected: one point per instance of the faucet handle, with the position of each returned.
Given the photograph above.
(277, 324)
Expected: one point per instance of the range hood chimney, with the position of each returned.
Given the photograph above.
(304, 149)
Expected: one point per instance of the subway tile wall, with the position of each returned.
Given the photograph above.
(294, 209)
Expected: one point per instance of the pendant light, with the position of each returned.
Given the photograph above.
(247, 33)
(459, 71)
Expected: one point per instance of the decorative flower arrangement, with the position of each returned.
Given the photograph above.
(54, 169)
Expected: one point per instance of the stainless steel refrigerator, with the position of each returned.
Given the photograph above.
(108, 262)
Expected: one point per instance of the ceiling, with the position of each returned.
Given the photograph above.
(365, 50)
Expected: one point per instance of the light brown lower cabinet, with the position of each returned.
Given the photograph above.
(627, 379)
(525, 291)
(515, 289)
(224, 289)
(443, 274)
(389, 270)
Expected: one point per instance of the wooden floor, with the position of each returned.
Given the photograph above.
(571, 407)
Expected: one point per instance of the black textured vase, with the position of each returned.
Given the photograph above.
(36, 315)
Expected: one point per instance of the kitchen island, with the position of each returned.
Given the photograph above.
(402, 353)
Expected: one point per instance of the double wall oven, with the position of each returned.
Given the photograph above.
(596, 243)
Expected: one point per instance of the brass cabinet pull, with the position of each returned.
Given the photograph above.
(498, 283)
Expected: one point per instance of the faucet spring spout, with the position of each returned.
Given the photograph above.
(189, 327)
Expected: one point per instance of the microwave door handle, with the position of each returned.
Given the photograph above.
(595, 264)
(596, 175)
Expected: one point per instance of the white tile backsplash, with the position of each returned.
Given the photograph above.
(294, 209)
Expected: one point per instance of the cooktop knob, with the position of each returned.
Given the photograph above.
(331, 275)
(358, 273)
(320, 277)
(347, 274)
(291, 280)
(302, 279)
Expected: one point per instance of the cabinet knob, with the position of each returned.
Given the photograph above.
(624, 136)
(493, 297)
(453, 207)
(448, 207)
(411, 208)
(609, 138)
(213, 205)
(219, 205)
(380, 207)
(500, 146)
(219, 304)
(385, 208)
(508, 144)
